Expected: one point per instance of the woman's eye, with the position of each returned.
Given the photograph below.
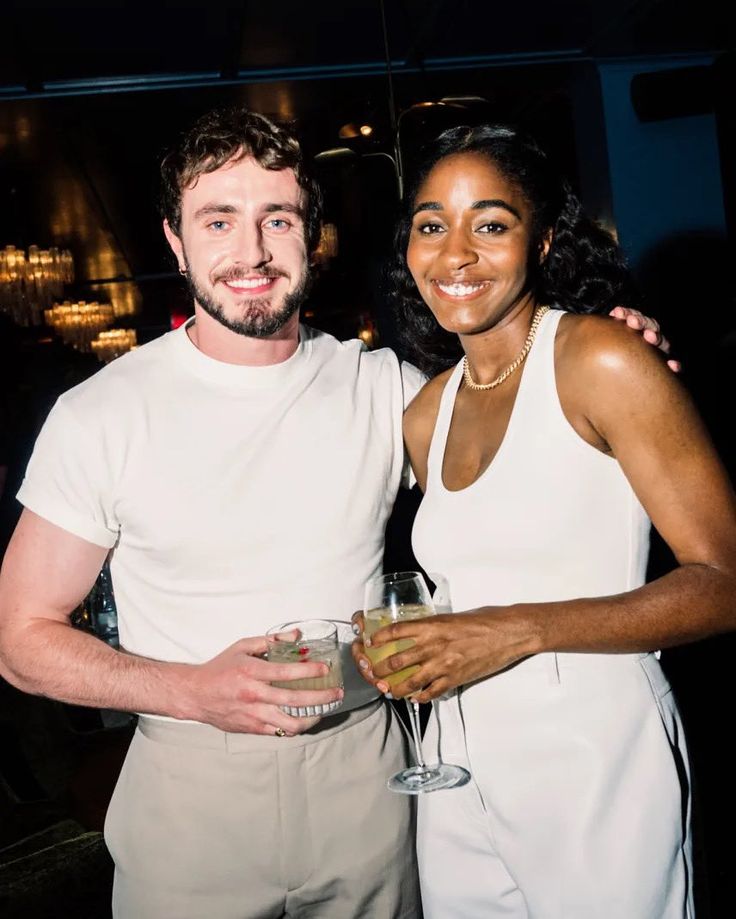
(427, 229)
(492, 228)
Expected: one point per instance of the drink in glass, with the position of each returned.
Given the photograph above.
(376, 619)
(400, 597)
(311, 640)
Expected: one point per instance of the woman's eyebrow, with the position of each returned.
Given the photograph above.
(427, 206)
(495, 202)
(481, 205)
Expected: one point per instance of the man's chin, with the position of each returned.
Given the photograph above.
(255, 317)
(254, 320)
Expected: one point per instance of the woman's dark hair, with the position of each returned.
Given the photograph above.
(584, 271)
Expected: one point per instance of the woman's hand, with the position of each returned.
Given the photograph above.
(359, 655)
(649, 328)
(450, 650)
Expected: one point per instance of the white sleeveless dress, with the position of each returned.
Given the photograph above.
(579, 803)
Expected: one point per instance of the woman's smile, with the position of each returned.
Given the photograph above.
(460, 290)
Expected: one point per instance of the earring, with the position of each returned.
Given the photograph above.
(182, 271)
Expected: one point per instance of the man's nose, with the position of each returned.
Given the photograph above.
(252, 249)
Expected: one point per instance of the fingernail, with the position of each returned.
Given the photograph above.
(363, 664)
(356, 629)
(367, 641)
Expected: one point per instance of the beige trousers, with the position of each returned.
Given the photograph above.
(208, 825)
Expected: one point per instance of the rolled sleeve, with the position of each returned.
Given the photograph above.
(67, 481)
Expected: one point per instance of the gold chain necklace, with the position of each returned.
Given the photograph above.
(470, 382)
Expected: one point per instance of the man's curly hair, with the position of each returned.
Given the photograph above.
(231, 134)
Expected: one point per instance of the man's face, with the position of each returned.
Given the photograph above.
(243, 247)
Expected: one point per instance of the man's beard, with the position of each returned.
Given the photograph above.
(257, 320)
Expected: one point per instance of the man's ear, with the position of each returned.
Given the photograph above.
(176, 246)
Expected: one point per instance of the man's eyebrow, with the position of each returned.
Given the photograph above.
(286, 208)
(208, 209)
(482, 205)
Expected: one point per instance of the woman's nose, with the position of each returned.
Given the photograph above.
(458, 250)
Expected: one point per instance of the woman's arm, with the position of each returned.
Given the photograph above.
(617, 393)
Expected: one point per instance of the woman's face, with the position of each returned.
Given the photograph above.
(470, 243)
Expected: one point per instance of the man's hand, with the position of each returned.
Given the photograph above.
(649, 329)
(232, 691)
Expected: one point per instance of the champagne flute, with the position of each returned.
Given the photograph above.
(401, 597)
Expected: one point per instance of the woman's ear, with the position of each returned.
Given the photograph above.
(544, 245)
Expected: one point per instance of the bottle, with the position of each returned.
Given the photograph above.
(102, 610)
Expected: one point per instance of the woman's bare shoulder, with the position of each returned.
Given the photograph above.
(600, 347)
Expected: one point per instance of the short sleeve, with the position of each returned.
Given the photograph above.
(412, 381)
(67, 481)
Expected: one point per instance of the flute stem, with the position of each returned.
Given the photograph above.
(413, 708)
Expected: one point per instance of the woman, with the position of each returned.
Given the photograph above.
(543, 454)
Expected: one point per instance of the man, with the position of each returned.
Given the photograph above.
(242, 473)
(242, 469)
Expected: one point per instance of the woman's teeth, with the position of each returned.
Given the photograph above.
(460, 290)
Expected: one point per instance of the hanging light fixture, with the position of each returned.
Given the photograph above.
(111, 344)
(29, 284)
(79, 323)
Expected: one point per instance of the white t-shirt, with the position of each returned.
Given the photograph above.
(235, 498)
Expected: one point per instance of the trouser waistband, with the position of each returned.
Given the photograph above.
(205, 736)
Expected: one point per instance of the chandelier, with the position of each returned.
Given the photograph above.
(29, 284)
(79, 323)
(109, 345)
(327, 246)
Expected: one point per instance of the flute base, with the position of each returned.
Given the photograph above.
(419, 780)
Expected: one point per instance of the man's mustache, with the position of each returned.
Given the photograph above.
(243, 274)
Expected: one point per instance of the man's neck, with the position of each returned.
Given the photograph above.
(220, 343)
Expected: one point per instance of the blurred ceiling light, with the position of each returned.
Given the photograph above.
(367, 330)
(109, 345)
(462, 101)
(366, 130)
(327, 247)
(336, 153)
(79, 323)
(349, 131)
(28, 285)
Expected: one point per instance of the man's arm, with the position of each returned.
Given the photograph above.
(48, 571)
